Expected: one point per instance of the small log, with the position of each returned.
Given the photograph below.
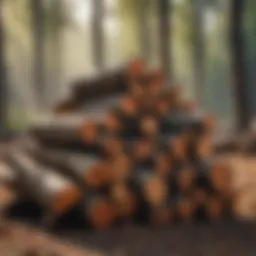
(124, 199)
(200, 148)
(176, 147)
(100, 211)
(143, 153)
(121, 168)
(185, 180)
(215, 209)
(154, 190)
(185, 209)
(163, 165)
(214, 175)
(200, 197)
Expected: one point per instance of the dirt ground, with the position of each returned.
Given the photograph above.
(19, 240)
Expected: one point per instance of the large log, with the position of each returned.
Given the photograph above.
(86, 170)
(55, 194)
(146, 86)
(109, 83)
(72, 132)
(99, 106)
(8, 187)
(70, 128)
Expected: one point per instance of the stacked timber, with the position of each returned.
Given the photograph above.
(145, 155)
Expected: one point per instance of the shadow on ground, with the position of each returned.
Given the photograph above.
(228, 239)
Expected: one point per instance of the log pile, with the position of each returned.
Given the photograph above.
(146, 156)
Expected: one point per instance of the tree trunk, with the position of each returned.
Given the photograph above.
(38, 51)
(98, 34)
(198, 51)
(164, 12)
(144, 31)
(56, 51)
(237, 61)
(3, 86)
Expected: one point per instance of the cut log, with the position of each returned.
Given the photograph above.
(100, 211)
(185, 209)
(55, 194)
(108, 83)
(125, 200)
(69, 129)
(85, 170)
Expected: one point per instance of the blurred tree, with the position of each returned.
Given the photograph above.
(56, 19)
(182, 37)
(237, 60)
(198, 38)
(165, 46)
(3, 84)
(250, 52)
(143, 7)
(98, 33)
(37, 19)
(198, 44)
(136, 15)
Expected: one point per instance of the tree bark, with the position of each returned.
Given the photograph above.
(164, 12)
(3, 86)
(56, 51)
(198, 51)
(237, 62)
(38, 51)
(144, 31)
(98, 34)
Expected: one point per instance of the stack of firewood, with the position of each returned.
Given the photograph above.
(124, 147)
